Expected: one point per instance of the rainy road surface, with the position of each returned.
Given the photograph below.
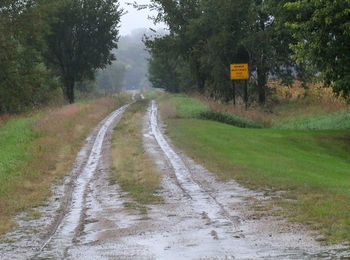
(200, 218)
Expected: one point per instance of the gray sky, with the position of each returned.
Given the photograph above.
(135, 19)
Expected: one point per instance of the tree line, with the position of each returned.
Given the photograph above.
(50, 44)
(129, 71)
(286, 40)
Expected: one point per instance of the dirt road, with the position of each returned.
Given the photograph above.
(201, 218)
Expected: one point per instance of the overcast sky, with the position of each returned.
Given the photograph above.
(135, 19)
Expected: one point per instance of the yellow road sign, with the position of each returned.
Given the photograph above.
(239, 71)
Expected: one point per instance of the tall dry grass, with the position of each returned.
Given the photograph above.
(253, 113)
(133, 169)
(316, 97)
(285, 102)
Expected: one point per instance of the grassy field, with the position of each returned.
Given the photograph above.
(311, 166)
(40, 149)
(132, 168)
(181, 106)
(16, 138)
(188, 107)
(326, 121)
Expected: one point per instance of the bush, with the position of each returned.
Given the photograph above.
(228, 118)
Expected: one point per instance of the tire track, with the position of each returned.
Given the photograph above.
(202, 200)
(62, 237)
(238, 237)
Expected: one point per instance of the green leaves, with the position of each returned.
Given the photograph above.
(81, 38)
(25, 82)
(209, 35)
(322, 31)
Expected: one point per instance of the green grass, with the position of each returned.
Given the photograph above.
(312, 167)
(187, 107)
(16, 138)
(335, 120)
(152, 94)
(306, 156)
(37, 150)
(122, 99)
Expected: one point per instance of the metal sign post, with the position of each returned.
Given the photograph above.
(241, 72)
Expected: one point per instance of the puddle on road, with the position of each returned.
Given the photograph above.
(49, 236)
(200, 218)
(58, 244)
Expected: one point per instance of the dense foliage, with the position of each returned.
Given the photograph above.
(25, 80)
(322, 28)
(279, 39)
(81, 39)
(45, 44)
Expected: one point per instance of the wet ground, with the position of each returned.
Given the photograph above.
(201, 218)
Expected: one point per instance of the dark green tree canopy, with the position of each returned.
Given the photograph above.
(322, 31)
(83, 33)
(25, 81)
(286, 40)
(206, 35)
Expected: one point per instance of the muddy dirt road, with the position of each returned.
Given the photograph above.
(201, 218)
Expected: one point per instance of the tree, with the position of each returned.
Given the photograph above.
(219, 32)
(267, 41)
(209, 35)
(82, 35)
(166, 69)
(25, 81)
(178, 16)
(322, 31)
(112, 79)
(131, 51)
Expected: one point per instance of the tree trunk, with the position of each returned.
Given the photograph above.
(246, 94)
(262, 71)
(262, 77)
(201, 85)
(69, 90)
(261, 85)
(233, 92)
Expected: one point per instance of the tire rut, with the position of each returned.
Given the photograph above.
(67, 226)
(200, 218)
(202, 200)
(223, 206)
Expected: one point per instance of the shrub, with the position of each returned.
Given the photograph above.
(228, 118)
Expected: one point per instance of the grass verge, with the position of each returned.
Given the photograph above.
(182, 106)
(326, 121)
(230, 119)
(187, 107)
(40, 149)
(132, 168)
(310, 167)
(313, 168)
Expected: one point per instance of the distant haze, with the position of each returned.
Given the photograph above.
(135, 19)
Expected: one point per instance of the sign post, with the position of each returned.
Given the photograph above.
(240, 71)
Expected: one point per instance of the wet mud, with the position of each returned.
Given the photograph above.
(50, 236)
(201, 218)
